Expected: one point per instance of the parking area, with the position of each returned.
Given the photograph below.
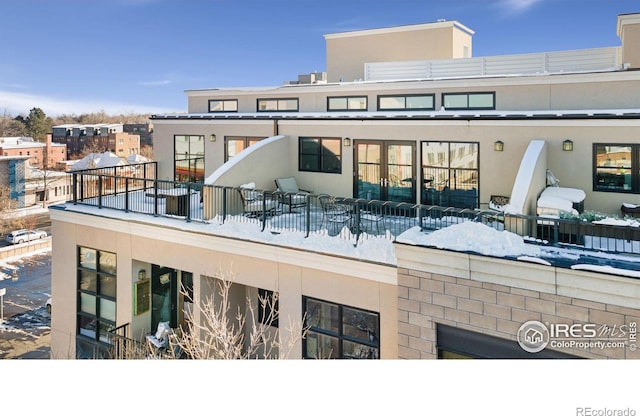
(26, 329)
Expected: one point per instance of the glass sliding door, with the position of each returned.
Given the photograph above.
(450, 174)
(164, 294)
(385, 170)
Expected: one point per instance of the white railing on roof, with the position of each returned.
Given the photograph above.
(583, 60)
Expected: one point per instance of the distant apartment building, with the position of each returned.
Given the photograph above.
(41, 155)
(106, 137)
(144, 130)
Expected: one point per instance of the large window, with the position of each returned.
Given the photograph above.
(223, 106)
(406, 102)
(339, 331)
(189, 158)
(347, 103)
(450, 174)
(469, 101)
(236, 144)
(616, 167)
(96, 294)
(279, 104)
(320, 154)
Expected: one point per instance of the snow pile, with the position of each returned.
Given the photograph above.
(472, 237)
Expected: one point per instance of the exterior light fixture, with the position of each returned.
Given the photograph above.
(346, 142)
(142, 274)
(498, 146)
(212, 138)
(567, 145)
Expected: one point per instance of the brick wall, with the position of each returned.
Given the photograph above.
(426, 299)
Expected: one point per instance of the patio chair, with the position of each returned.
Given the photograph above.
(335, 215)
(293, 196)
(160, 339)
(254, 204)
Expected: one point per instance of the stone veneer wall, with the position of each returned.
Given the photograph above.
(469, 298)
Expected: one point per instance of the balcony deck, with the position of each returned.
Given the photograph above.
(219, 210)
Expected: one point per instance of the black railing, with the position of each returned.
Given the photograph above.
(350, 218)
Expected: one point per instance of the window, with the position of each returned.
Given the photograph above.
(339, 331)
(406, 102)
(616, 167)
(346, 103)
(281, 104)
(320, 154)
(236, 144)
(223, 106)
(189, 158)
(450, 174)
(469, 101)
(96, 294)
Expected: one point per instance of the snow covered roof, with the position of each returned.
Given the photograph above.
(99, 160)
(136, 158)
(633, 113)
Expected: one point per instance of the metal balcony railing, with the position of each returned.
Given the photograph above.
(349, 218)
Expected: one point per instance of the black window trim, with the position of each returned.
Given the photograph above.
(319, 155)
(223, 111)
(96, 294)
(492, 93)
(296, 99)
(478, 345)
(246, 140)
(366, 99)
(432, 95)
(340, 335)
(635, 168)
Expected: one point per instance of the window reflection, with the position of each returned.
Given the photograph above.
(338, 331)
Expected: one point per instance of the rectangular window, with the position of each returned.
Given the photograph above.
(340, 331)
(280, 104)
(320, 154)
(189, 158)
(469, 101)
(347, 103)
(96, 277)
(223, 106)
(406, 102)
(236, 144)
(616, 167)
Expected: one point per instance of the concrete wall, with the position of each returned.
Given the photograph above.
(292, 273)
(629, 33)
(348, 52)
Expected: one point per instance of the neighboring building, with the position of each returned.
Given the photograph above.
(37, 151)
(110, 137)
(398, 123)
(13, 174)
(144, 130)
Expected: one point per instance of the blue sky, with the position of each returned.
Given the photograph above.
(138, 56)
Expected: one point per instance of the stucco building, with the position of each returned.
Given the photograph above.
(403, 130)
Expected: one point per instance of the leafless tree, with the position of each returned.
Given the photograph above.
(147, 151)
(217, 330)
(8, 221)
